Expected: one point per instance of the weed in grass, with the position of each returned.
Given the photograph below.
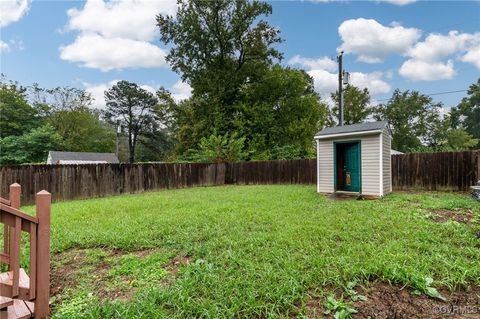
(354, 295)
(338, 308)
(141, 271)
(426, 287)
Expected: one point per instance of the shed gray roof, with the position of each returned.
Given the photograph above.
(82, 156)
(360, 127)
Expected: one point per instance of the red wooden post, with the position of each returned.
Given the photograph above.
(15, 192)
(8, 241)
(43, 202)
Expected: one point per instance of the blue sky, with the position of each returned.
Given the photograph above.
(418, 45)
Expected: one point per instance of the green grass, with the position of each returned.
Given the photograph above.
(255, 251)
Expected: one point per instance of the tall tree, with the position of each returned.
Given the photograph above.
(135, 108)
(17, 116)
(61, 98)
(467, 113)
(356, 106)
(282, 109)
(68, 110)
(218, 46)
(408, 114)
(82, 130)
(459, 140)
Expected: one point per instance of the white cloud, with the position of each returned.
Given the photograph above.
(473, 56)
(417, 70)
(323, 63)
(372, 81)
(437, 46)
(98, 92)
(12, 10)
(326, 82)
(4, 47)
(131, 19)
(373, 42)
(116, 34)
(95, 51)
(399, 2)
(181, 91)
(426, 62)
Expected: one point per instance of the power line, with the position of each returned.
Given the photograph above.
(436, 93)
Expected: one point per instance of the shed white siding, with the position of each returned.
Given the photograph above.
(371, 160)
(387, 165)
(325, 166)
(370, 163)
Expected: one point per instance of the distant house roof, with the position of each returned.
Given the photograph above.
(352, 129)
(394, 152)
(55, 157)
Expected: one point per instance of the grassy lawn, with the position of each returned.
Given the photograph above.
(250, 251)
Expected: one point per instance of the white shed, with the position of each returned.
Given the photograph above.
(354, 159)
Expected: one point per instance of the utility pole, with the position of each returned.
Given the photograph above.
(340, 89)
(118, 131)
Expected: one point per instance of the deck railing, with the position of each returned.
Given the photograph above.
(17, 289)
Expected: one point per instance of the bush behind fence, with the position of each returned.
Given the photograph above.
(454, 171)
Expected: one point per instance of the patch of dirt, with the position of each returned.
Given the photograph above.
(315, 307)
(387, 301)
(342, 196)
(177, 262)
(69, 266)
(444, 215)
(62, 274)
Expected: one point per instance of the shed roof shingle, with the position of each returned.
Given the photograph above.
(360, 127)
(82, 156)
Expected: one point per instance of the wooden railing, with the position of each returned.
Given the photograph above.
(23, 295)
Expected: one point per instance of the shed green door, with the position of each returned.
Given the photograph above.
(351, 167)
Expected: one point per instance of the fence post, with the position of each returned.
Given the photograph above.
(43, 203)
(15, 191)
(8, 240)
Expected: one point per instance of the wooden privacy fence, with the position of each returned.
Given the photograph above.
(92, 180)
(454, 171)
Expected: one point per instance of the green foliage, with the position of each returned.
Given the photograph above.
(338, 308)
(220, 148)
(82, 130)
(141, 271)
(467, 113)
(280, 110)
(218, 47)
(425, 286)
(354, 295)
(60, 98)
(286, 152)
(134, 108)
(460, 140)
(75, 307)
(442, 138)
(356, 105)
(31, 147)
(17, 117)
(409, 114)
